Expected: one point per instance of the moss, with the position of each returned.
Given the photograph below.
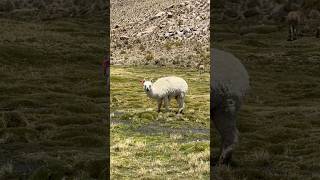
(57, 88)
(14, 119)
(54, 169)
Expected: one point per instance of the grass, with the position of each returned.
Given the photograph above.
(279, 129)
(150, 145)
(52, 99)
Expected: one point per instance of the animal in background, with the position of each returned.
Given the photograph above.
(201, 68)
(295, 19)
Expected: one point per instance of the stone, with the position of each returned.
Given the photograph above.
(180, 33)
(124, 38)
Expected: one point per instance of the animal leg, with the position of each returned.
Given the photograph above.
(166, 103)
(290, 37)
(225, 121)
(295, 33)
(180, 101)
(159, 104)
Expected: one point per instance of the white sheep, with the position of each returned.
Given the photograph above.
(229, 85)
(166, 88)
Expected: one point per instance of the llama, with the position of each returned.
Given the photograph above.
(201, 68)
(229, 85)
(295, 19)
(166, 88)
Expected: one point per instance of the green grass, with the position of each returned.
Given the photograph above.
(52, 99)
(150, 145)
(279, 129)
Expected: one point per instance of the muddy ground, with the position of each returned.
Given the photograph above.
(280, 122)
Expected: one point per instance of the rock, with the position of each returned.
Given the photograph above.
(180, 33)
(187, 30)
(160, 14)
(123, 38)
(157, 15)
(168, 34)
(150, 29)
(169, 14)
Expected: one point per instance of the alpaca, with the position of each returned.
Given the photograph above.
(201, 68)
(295, 19)
(229, 85)
(166, 88)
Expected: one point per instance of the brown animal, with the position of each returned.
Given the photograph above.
(295, 20)
(201, 67)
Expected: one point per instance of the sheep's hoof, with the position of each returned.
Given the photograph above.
(180, 111)
(226, 160)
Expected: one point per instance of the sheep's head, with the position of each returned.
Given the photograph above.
(146, 85)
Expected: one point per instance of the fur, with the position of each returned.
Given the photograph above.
(166, 88)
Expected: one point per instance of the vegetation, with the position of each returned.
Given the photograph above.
(52, 100)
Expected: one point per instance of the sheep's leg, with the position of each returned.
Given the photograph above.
(180, 100)
(291, 32)
(225, 121)
(295, 33)
(166, 103)
(159, 104)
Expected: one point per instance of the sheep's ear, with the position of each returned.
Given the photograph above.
(151, 80)
(142, 81)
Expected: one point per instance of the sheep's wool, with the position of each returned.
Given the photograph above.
(171, 86)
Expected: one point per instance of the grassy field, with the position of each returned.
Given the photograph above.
(280, 122)
(148, 145)
(52, 99)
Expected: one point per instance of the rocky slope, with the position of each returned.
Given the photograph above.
(160, 32)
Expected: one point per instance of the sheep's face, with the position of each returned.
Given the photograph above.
(147, 86)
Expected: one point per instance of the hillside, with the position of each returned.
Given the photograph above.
(161, 33)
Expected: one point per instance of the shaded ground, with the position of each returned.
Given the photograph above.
(145, 144)
(280, 122)
(52, 99)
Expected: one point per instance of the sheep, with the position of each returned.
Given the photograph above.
(295, 19)
(229, 85)
(166, 88)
